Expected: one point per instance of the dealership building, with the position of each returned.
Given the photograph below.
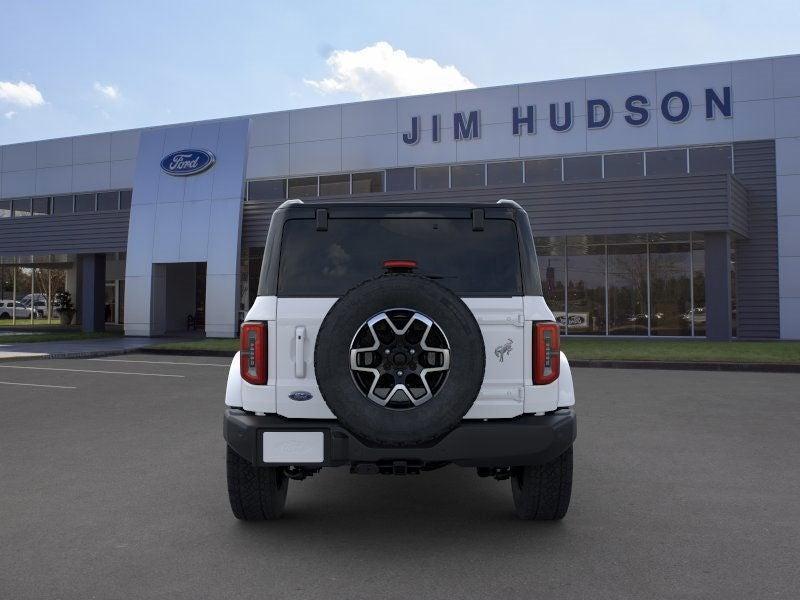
(664, 202)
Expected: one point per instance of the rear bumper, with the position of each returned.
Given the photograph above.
(524, 440)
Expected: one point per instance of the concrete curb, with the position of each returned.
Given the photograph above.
(218, 353)
(687, 366)
(61, 355)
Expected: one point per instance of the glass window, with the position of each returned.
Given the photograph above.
(62, 205)
(543, 171)
(41, 206)
(22, 207)
(334, 185)
(368, 183)
(125, 199)
(468, 175)
(400, 180)
(670, 294)
(552, 264)
(733, 291)
(627, 289)
(255, 256)
(84, 202)
(328, 263)
(270, 189)
(666, 162)
(504, 173)
(5, 209)
(578, 168)
(586, 288)
(714, 159)
(108, 201)
(630, 164)
(433, 178)
(303, 187)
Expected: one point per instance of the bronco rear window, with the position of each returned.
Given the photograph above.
(328, 263)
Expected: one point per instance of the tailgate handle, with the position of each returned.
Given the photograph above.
(299, 352)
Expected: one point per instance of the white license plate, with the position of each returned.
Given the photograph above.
(293, 447)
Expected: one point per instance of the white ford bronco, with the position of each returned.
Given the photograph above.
(398, 338)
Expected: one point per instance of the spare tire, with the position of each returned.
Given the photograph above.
(399, 360)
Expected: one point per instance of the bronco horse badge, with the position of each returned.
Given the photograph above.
(504, 349)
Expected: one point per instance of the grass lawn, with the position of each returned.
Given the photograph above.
(613, 349)
(40, 322)
(681, 350)
(53, 336)
(201, 344)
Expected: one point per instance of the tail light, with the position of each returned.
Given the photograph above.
(546, 353)
(253, 353)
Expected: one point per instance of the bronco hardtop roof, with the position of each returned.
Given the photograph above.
(321, 211)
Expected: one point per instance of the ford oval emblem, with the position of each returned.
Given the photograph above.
(187, 162)
(300, 396)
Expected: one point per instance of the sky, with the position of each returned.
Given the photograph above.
(85, 66)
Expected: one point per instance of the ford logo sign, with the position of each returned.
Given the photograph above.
(300, 396)
(187, 162)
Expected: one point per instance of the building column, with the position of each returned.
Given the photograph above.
(718, 286)
(93, 290)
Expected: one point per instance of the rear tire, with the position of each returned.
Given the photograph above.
(255, 493)
(542, 492)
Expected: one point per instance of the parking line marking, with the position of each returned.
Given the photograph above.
(160, 362)
(90, 371)
(61, 387)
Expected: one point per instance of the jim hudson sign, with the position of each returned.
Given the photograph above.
(674, 106)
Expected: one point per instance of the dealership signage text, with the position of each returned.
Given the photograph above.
(674, 106)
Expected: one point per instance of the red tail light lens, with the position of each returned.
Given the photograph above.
(546, 353)
(394, 263)
(253, 353)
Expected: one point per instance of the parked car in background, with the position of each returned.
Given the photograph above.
(14, 308)
(39, 304)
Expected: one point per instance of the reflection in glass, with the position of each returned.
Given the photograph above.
(368, 183)
(400, 180)
(699, 285)
(586, 276)
(125, 199)
(550, 255)
(334, 185)
(661, 163)
(504, 173)
(710, 159)
(303, 187)
(22, 207)
(433, 178)
(629, 164)
(546, 170)
(579, 168)
(468, 175)
(41, 206)
(62, 205)
(670, 296)
(269, 189)
(627, 289)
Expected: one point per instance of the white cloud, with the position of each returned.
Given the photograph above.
(109, 91)
(380, 71)
(20, 93)
(10, 114)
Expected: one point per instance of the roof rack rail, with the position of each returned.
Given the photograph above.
(290, 202)
(510, 203)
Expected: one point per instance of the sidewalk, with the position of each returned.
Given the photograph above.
(77, 348)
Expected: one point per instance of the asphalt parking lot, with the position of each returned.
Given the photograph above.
(112, 485)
